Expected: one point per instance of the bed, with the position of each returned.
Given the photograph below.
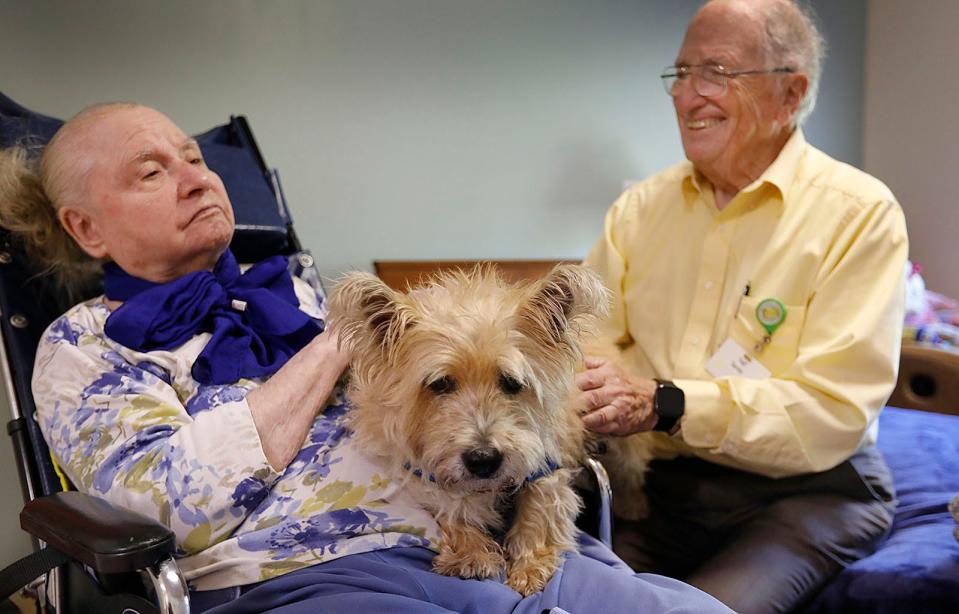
(916, 569)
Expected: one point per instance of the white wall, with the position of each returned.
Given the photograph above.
(911, 134)
(408, 129)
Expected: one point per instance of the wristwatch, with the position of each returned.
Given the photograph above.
(669, 403)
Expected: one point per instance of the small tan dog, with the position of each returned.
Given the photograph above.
(463, 390)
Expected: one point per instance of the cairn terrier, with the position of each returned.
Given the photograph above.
(463, 389)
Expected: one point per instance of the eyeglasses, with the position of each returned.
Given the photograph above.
(709, 80)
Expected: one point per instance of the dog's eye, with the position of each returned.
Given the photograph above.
(443, 385)
(509, 384)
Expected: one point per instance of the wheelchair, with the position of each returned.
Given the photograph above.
(90, 555)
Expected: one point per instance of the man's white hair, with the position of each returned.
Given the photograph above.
(791, 38)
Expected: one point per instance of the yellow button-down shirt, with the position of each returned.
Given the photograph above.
(822, 237)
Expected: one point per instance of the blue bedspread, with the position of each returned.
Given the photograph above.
(917, 568)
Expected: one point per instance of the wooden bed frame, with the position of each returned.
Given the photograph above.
(928, 377)
(400, 274)
(928, 380)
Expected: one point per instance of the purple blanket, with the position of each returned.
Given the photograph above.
(917, 568)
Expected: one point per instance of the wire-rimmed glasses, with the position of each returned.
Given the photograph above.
(709, 80)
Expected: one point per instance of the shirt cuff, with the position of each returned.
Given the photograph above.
(707, 413)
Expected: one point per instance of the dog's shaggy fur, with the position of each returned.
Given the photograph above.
(463, 389)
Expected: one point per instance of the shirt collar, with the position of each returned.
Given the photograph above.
(780, 174)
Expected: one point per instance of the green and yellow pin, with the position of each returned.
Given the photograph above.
(770, 313)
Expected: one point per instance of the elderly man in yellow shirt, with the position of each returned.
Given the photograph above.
(757, 312)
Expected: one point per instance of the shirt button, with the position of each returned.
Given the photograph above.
(709, 285)
(694, 340)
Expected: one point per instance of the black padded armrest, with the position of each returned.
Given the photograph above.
(105, 537)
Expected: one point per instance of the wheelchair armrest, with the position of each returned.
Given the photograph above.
(107, 538)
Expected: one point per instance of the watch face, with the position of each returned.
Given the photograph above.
(670, 401)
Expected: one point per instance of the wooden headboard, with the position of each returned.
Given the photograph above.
(928, 380)
(399, 274)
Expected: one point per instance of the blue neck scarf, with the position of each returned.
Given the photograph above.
(254, 318)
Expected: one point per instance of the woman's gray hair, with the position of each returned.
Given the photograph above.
(34, 184)
(792, 39)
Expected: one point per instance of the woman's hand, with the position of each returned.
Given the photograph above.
(284, 407)
(616, 403)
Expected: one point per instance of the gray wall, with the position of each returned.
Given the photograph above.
(910, 138)
(408, 129)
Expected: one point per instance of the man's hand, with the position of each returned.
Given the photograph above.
(616, 403)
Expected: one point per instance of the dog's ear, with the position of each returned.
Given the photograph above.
(570, 297)
(363, 307)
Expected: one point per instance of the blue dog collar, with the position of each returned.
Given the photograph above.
(551, 466)
(419, 472)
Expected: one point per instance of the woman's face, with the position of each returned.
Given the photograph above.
(150, 203)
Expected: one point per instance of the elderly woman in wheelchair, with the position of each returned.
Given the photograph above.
(208, 399)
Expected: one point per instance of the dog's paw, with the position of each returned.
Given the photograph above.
(528, 576)
(474, 564)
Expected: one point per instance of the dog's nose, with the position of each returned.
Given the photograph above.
(483, 462)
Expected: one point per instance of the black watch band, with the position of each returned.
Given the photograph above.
(669, 404)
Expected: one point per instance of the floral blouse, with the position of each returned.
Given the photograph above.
(136, 429)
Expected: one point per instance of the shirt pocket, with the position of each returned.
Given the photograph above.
(783, 347)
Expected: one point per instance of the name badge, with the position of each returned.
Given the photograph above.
(731, 359)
